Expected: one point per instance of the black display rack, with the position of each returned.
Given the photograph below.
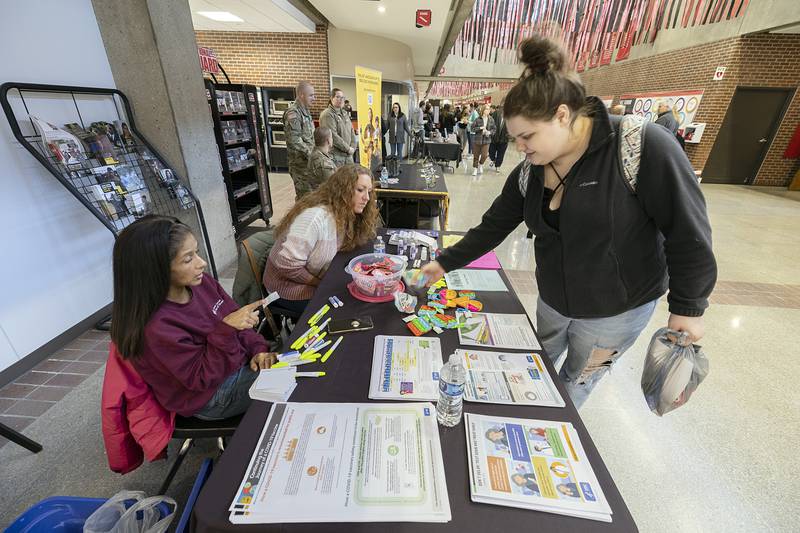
(113, 170)
(274, 101)
(240, 139)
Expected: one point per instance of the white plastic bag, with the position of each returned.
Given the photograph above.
(672, 371)
(107, 515)
(131, 512)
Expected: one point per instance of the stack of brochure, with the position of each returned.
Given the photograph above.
(532, 464)
(274, 385)
(508, 378)
(347, 462)
(405, 368)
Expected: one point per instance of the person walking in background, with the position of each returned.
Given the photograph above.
(484, 129)
(448, 121)
(337, 120)
(499, 144)
(473, 114)
(398, 127)
(463, 131)
(299, 128)
(667, 118)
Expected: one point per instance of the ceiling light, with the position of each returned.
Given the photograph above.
(381, 9)
(221, 16)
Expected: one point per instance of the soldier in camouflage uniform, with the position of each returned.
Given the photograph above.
(321, 164)
(299, 131)
(338, 120)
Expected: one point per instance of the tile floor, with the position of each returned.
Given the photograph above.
(724, 461)
(32, 394)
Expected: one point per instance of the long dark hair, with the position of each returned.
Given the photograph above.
(142, 256)
(399, 110)
(547, 82)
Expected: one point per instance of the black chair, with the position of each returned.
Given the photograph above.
(189, 429)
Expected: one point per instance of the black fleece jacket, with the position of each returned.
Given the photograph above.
(614, 248)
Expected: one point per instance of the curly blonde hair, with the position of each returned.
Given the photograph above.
(336, 193)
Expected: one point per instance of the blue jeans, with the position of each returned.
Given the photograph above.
(232, 397)
(397, 150)
(592, 344)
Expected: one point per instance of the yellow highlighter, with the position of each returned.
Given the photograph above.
(330, 350)
(300, 341)
(319, 314)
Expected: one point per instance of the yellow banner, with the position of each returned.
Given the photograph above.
(368, 96)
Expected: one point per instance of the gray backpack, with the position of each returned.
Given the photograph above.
(629, 155)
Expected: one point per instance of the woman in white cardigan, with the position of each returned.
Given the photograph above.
(341, 214)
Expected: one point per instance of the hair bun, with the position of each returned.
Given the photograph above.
(540, 55)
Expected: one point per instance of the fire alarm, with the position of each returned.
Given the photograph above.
(423, 18)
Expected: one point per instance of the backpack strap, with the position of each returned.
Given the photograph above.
(631, 141)
(524, 177)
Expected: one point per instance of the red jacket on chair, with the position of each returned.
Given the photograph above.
(134, 423)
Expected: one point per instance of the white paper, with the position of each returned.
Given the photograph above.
(532, 464)
(274, 385)
(325, 462)
(508, 378)
(475, 280)
(405, 368)
(498, 331)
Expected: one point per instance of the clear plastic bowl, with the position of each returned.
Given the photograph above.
(377, 285)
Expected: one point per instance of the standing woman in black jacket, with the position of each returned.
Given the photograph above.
(605, 251)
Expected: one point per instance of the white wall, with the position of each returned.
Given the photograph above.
(55, 267)
(346, 49)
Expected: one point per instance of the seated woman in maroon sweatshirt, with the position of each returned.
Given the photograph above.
(186, 337)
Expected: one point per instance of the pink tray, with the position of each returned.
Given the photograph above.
(373, 299)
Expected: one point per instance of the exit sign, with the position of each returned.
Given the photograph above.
(423, 18)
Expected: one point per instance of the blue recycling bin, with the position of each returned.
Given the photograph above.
(60, 514)
(64, 514)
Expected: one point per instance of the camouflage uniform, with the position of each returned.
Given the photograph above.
(338, 120)
(320, 168)
(299, 131)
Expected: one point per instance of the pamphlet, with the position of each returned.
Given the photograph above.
(532, 464)
(498, 330)
(351, 462)
(475, 280)
(405, 368)
(508, 378)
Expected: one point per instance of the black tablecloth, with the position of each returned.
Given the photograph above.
(443, 150)
(410, 179)
(347, 380)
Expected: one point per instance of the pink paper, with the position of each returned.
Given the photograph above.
(488, 262)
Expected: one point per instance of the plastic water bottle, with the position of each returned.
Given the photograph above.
(384, 177)
(412, 250)
(379, 247)
(451, 391)
(401, 246)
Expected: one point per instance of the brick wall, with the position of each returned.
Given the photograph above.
(762, 60)
(273, 59)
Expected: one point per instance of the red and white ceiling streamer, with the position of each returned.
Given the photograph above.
(459, 89)
(591, 29)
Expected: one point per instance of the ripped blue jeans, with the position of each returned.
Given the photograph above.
(592, 344)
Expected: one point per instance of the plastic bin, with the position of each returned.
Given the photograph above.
(377, 285)
(62, 514)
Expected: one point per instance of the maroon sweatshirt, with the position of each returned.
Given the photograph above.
(189, 350)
